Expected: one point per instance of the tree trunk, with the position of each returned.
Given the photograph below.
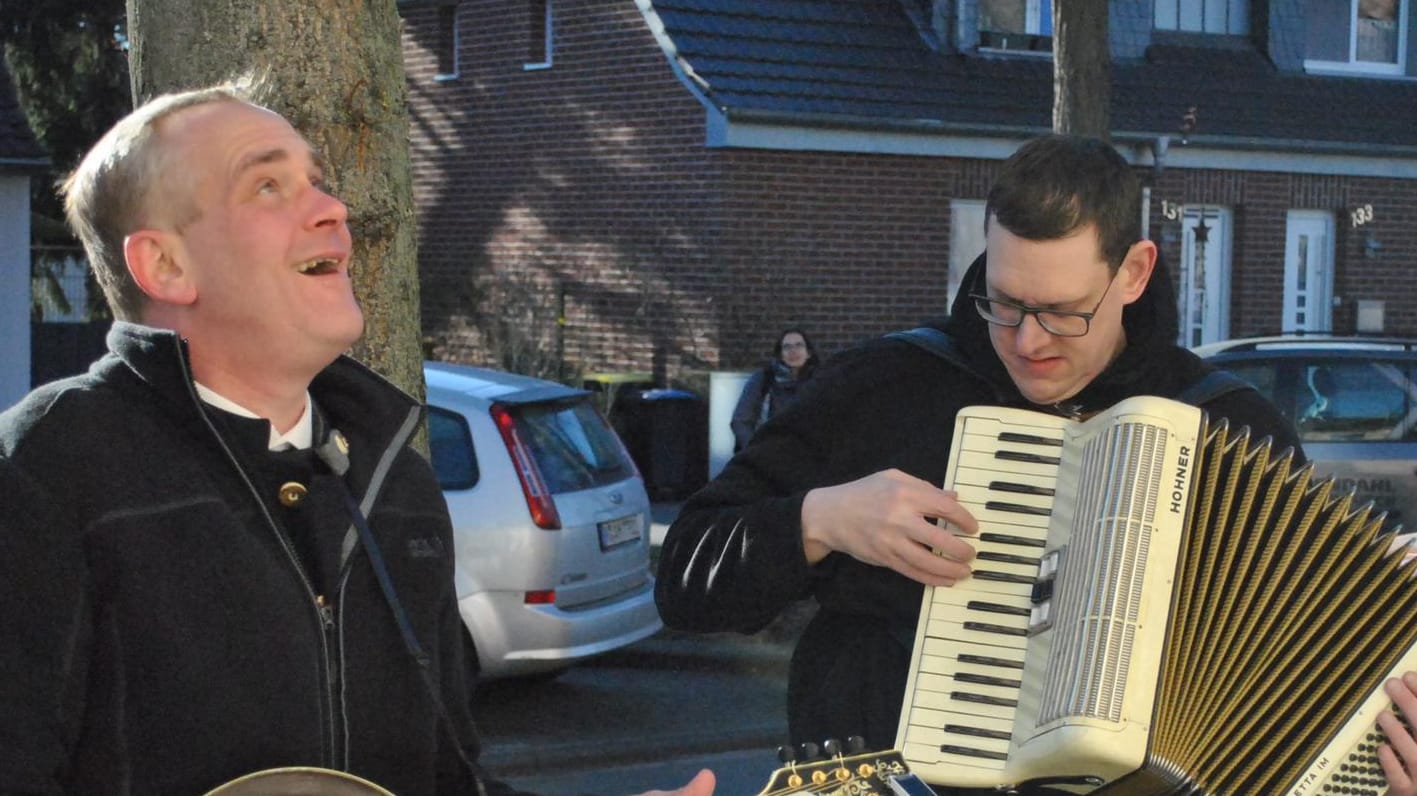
(1082, 68)
(336, 70)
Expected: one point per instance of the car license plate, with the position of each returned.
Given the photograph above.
(614, 533)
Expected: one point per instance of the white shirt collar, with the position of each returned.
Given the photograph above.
(298, 437)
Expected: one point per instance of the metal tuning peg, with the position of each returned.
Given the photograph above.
(833, 749)
(788, 755)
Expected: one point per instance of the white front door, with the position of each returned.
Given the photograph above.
(1205, 274)
(1308, 272)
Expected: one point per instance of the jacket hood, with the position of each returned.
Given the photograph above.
(1151, 324)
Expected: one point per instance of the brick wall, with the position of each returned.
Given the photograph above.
(564, 190)
(572, 220)
(1260, 201)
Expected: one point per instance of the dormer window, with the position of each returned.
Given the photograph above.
(1221, 17)
(1016, 25)
(1368, 36)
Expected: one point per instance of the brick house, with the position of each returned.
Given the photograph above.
(664, 184)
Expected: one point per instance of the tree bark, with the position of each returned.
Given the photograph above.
(1082, 68)
(336, 70)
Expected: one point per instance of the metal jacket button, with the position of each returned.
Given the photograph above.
(292, 493)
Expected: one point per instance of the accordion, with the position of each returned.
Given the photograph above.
(1159, 605)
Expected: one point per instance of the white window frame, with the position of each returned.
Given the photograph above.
(1034, 24)
(1198, 16)
(546, 34)
(1365, 67)
(966, 242)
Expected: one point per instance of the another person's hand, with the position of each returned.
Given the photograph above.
(882, 520)
(701, 785)
(1398, 756)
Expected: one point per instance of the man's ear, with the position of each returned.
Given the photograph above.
(152, 261)
(1136, 269)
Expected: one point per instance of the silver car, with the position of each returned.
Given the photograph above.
(550, 520)
(1354, 402)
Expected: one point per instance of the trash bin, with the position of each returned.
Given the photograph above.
(609, 386)
(666, 432)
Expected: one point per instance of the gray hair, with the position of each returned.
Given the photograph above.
(114, 189)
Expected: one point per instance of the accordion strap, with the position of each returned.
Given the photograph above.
(1211, 386)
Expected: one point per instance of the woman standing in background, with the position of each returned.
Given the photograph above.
(774, 386)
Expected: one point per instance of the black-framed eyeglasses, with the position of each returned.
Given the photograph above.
(1061, 323)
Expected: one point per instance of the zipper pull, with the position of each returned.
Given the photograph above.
(327, 611)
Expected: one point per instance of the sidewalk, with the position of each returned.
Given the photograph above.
(661, 514)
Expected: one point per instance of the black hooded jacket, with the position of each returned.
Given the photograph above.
(733, 560)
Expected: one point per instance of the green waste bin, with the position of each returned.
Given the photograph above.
(611, 385)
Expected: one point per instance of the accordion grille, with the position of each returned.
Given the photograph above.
(1096, 622)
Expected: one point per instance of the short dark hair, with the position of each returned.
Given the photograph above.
(1056, 184)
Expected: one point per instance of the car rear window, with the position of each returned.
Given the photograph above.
(1337, 400)
(450, 442)
(573, 446)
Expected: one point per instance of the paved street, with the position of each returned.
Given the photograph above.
(647, 716)
(738, 774)
(667, 695)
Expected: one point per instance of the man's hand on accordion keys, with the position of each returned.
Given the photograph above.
(884, 519)
(1399, 756)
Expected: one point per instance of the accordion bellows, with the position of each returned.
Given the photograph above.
(1159, 606)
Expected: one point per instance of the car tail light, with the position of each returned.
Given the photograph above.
(538, 498)
(545, 597)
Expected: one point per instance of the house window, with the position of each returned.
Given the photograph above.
(1016, 24)
(1224, 17)
(966, 240)
(1356, 35)
(447, 43)
(538, 54)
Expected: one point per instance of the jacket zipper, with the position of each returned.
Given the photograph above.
(324, 613)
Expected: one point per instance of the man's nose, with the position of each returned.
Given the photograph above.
(1030, 336)
(327, 210)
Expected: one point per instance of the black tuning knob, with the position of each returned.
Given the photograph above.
(832, 747)
(787, 754)
(855, 745)
(809, 751)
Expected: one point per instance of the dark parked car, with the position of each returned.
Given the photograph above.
(1354, 402)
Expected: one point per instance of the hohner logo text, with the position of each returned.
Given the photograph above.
(1178, 484)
